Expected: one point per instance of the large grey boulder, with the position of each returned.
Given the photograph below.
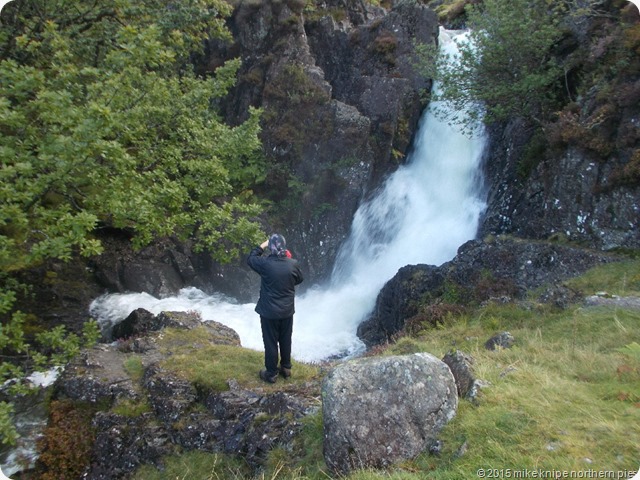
(379, 411)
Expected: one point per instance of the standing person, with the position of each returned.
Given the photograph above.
(279, 276)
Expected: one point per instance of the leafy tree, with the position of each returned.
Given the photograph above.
(103, 122)
(506, 68)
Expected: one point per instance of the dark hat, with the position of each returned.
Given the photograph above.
(277, 245)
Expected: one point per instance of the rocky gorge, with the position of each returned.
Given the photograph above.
(353, 85)
(346, 119)
(341, 103)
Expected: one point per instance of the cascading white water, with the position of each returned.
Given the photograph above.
(422, 214)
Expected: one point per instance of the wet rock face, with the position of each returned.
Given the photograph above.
(503, 269)
(397, 302)
(141, 321)
(570, 191)
(379, 411)
(341, 99)
(521, 265)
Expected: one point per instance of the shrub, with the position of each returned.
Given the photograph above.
(432, 316)
(385, 44)
(628, 174)
(67, 441)
(510, 73)
(489, 287)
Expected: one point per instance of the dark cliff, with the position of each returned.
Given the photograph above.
(576, 176)
(340, 98)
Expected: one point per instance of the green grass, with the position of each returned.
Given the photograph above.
(195, 465)
(131, 408)
(210, 367)
(565, 398)
(619, 278)
(133, 366)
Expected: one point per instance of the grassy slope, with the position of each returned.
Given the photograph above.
(565, 398)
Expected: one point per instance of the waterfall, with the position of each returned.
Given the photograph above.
(421, 214)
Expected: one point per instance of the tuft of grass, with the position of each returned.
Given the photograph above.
(196, 465)
(131, 408)
(303, 460)
(450, 10)
(632, 350)
(134, 368)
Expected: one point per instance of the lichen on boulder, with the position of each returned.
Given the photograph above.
(381, 410)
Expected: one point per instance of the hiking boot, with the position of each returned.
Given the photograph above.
(285, 372)
(264, 375)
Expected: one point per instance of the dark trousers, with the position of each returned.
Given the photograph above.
(276, 332)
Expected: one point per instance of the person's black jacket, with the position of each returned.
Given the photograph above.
(279, 275)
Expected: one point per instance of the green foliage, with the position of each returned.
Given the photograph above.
(126, 146)
(8, 431)
(103, 123)
(507, 73)
(50, 348)
(60, 346)
(12, 334)
(91, 333)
